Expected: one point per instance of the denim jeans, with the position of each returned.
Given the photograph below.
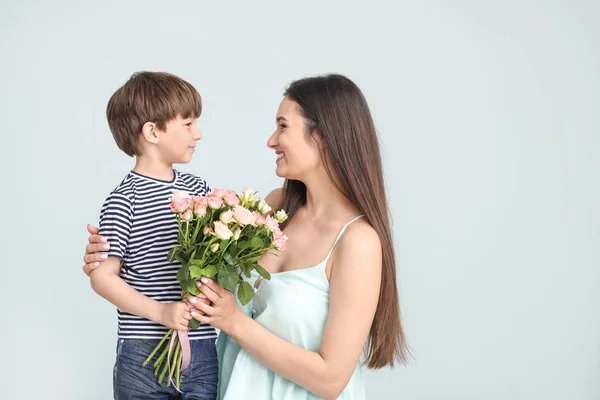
(131, 381)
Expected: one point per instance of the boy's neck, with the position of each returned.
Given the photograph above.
(153, 169)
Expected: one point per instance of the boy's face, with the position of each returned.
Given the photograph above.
(178, 141)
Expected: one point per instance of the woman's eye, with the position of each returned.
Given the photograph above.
(190, 124)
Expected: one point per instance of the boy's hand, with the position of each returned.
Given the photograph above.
(175, 315)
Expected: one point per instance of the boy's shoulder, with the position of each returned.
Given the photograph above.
(124, 192)
(126, 187)
(195, 182)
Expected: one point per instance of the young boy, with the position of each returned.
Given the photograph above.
(152, 118)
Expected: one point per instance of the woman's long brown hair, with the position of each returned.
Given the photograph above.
(335, 109)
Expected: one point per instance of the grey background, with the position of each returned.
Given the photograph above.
(488, 115)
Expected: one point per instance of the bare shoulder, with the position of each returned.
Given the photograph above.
(360, 245)
(362, 235)
(275, 198)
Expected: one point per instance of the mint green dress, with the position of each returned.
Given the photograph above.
(293, 305)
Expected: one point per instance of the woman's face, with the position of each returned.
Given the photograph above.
(297, 151)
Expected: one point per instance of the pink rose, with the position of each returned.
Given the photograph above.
(227, 217)
(207, 231)
(220, 193)
(243, 215)
(280, 244)
(200, 201)
(214, 202)
(260, 220)
(272, 224)
(186, 216)
(200, 210)
(277, 234)
(222, 231)
(180, 204)
(231, 199)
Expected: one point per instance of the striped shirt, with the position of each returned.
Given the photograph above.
(141, 229)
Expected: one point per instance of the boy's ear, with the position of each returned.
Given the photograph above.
(149, 132)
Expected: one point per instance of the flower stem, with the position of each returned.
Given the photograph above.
(178, 371)
(161, 358)
(196, 231)
(156, 348)
(174, 362)
(163, 372)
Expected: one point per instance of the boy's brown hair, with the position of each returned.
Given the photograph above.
(157, 97)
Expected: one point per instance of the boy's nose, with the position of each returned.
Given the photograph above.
(197, 134)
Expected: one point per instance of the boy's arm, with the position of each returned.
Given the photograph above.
(116, 222)
(107, 283)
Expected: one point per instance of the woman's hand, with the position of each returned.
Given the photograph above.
(93, 250)
(222, 313)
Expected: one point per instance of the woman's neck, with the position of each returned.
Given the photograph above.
(325, 200)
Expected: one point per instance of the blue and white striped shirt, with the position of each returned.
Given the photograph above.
(141, 229)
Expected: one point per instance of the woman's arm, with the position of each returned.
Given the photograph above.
(354, 293)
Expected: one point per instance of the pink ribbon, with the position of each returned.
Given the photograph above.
(186, 352)
(185, 349)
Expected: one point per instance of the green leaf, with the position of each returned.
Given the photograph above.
(254, 259)
(257, 242)
(243, 244)
(262, 272)
(228, 277)
(198, 272)
(184, 273)
(246, 269)
(245, 293)
(228, 259)
(194, 324)
(233, 249)
(188, 285)
(181, 259)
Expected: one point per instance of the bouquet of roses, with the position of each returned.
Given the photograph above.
(221, 236)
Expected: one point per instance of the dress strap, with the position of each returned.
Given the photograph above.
(340, 235)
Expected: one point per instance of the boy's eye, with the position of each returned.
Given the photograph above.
(282, 126)
(189, 124)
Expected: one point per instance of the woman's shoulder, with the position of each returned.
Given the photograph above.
(275, 198)
(359, 249)
(361, 234)
(360, 241)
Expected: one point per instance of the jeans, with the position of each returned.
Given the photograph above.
(131, 381)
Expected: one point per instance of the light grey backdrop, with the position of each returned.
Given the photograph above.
(488, 114)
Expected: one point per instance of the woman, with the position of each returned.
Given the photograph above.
(333, 293)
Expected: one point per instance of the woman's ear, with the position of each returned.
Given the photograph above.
(149, 132)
